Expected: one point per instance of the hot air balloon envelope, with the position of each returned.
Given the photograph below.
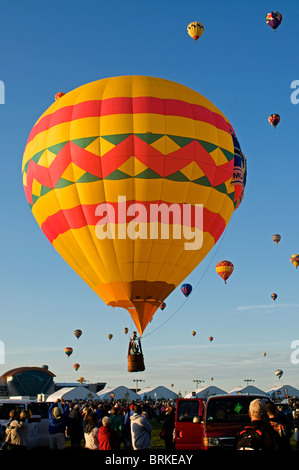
(68, 351)
(78, 333)
(274, 119)
(274, 296)
(276, 238)
(273, 19)
(99, 161)
(278, 373)
(195, 30)
(225, 269)
(295, 260)
(186, 289)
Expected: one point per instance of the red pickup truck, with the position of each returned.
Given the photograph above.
(213, 424)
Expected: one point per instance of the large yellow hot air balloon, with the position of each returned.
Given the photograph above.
(106, 164)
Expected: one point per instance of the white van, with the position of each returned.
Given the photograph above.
(37, 418)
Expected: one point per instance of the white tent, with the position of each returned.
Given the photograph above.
(119, 393)
(249, 390)
(283, 391)
(157, 393)
(73, 393)
(205, 392)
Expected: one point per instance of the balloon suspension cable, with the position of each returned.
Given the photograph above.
(196, 285)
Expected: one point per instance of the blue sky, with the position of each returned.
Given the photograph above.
(246, 70)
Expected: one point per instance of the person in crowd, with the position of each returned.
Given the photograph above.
(58, 415)
(280, 423)
(18, 432)
(91, 432)
(141, 430)
(259, 435)
(116, 421)
(296, 423)
(75, 426)
(108, 438)
(167, 429)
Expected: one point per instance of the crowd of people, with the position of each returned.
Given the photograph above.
(96, 425)
(110, 425)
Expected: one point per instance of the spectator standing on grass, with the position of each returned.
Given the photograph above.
(141, 430)
(75, 426)
(108, 438)
(91, 431)
(58, 415)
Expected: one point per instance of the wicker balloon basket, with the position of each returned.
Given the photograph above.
(135, 361)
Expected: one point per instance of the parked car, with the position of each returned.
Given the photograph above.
(37, 418)
(213, 425)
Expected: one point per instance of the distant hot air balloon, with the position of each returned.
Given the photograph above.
(273, 19)
(171, 385)
(276, 238)
(110, 337)
(76, 366)
(193, 333)
(163, 305)
(68, 351)
(78, 333)
(153, 141)
(59, 95)
(295, 260)
(224, 269)
(274, 296)
(212, 378)
(126, 330)
(81, 380)
(211, 338)
(274, 119)
(278, 373)
(195, 30)
(186, 289)
(264, 354)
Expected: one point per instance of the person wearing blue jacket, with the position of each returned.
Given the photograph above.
(58, 415)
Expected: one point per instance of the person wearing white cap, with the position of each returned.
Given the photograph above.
(259, 434)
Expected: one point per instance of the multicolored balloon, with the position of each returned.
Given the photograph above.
(274, 296)
(68, 351)
(195, 30)
(264, 354)
(278, 373)
(116, 144)
(274, 19)
(193, 333)
(78, 333)
(76, 366)
(274, 119)
(186, 289)
(211, 338)
(295, 260)
(163, 305)
(81, 380)
(126, 330)
(224, 269)
(276, 238)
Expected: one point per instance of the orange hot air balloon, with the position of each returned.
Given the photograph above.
(171, 385)
(68, 351)
(211, 338)
(212, 378)
(224, 269)
(81, 380)
(193, 333)
(76, 366)
(99, 162)
(59, 95)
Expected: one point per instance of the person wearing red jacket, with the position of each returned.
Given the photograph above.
(108, 438)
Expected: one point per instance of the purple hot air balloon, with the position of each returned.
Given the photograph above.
(274, 19)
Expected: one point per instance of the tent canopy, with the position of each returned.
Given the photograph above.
(73, 393)
(204, 392)
(119, 393)
(157, 393)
